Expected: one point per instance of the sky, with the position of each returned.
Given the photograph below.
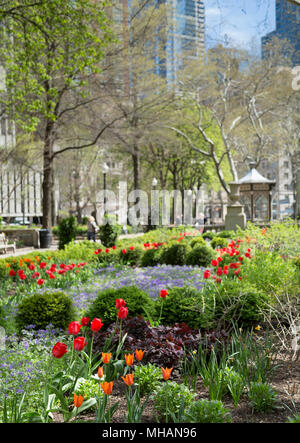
(239, 23)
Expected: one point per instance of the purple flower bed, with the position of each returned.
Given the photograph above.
(150, 279)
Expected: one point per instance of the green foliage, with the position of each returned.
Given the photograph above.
(67, 230)
(131, 257)
(269, 272)
(40, 67)
(262, 397)
(236, 301)
(201, 255)
(282, 238)
(148, 377)
(150, 257)
(226, 234)
(184, 305)
(219, 243)
(169, 398)
(175, 253)
(294, 419)
(207, 411)
(104, 306)
(90, 388)
(209, 234)
(109, 231)
(83, 251)
(42, 309)
(198, 241)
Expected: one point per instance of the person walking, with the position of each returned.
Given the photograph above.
(92, 229)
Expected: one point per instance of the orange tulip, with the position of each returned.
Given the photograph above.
(139, 354)
(128, 379)
(7, 265)
(166, 373)
(106, 357)
(78, 400)
(100, 372)
(129, 359)
(107, 387)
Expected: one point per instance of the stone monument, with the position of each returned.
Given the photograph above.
(235, 211)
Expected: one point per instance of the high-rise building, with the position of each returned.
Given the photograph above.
(185, 38)
(287, 27)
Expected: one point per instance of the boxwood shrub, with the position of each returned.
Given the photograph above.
(42, 309)
(175, 253)
(185, 305)
(201, 255)
(104, 306)
(219, 242)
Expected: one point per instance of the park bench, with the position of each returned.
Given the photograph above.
(5, 246)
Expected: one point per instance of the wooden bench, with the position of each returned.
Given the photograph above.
(5, 246)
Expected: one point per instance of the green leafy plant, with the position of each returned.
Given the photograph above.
(131, 256)
(207, 411)
(148, 377)
(151, 257)
(169, 397)
(262, 397)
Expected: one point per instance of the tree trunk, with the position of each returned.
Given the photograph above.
(47, 178)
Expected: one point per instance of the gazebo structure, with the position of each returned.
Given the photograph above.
(256, 195)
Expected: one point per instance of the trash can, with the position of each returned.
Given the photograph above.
(45, 238)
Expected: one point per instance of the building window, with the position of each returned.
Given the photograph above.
(286, 164)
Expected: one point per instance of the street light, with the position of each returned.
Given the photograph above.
(154, 182)
(105, 169)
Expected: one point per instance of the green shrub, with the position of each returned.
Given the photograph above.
(148, 377)
(82, 251)
(207, 411)
(209, 234)
(219, 243)
(150, 257)
(262, 397)
(109, 231)
(2, 322)
(201, 255)
(198, 241)
(226, 234)
(104, 306)
(170, 396)
(42, 309)
(294, 419)
(3, 269)
(174, 254)
(184, 305)
(236, 301)
(131, 257)
(67, 230)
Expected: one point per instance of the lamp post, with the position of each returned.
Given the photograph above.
(105, 169)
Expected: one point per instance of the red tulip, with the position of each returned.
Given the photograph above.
(163, 293)
(40, 282)
(79, 343)
(120, 303)
(12, 273)
(131, 248)
(214, 262)
(43, 264)
(96, 324)
(84, 321)
(31, 267)
(59, 350)
(206, 273)
(123, 312)
(74, 327)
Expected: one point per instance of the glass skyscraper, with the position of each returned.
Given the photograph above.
(287, 27)
(186, 37)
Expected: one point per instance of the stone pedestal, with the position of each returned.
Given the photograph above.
(235, 211)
